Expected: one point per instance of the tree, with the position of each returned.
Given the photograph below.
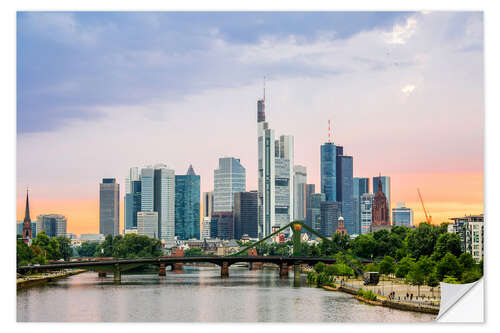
(421, 241)
(471, 276)
(49, 246)
(364, 246)
(319, 267)
(404, 266)
(448, 266)
(372, 267)
(416, 276)
(65, 247)
(23, 252)
(193, 252)
(87, 249)
(446, 242)
(387, 265)
(466, 261)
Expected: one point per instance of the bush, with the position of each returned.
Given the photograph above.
(324, 279)
(331, 270)
(471, 276)
(367, 294)
(312, 277)
(319, 267)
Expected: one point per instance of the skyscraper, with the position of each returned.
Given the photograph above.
(147, 224)
(402, 215)
(109, 207)
(314, 211)
(133, 175)
(344, 191)
(222, 225)
(245, 214)
(299, 197)
(283, 186)
(229, 178)
(330, 213)
(329, 171)
(132, 204)
(206, 216)
(164, 202)
(147, 189)
(386, 188)
(366, 204)
(187, 205)
(360, 187)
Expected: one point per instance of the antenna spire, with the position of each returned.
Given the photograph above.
(329, 137)
(264, 88)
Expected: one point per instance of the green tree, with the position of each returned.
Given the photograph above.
(446, 242)
(387, 265)
(319, 267)
(421, 241)
(364, 246)
(404, 266)
(87, 249)
(448, 266)
(471, 276)
(193, 252)
(372, 267)
(64, 247)
(466, 261)
(23, 252)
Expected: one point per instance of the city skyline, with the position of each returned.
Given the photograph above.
(430, 126)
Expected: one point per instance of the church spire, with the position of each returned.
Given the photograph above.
(27, 211)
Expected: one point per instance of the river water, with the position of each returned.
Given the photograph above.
(197, 295)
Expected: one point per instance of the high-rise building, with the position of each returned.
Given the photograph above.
(380, 211)
(132, 204)
(229, 178)
(187, 205)
(133, 175)
(314, 211)
(53, 224)
(222, 225)
(245, 214)
(360, 187)
(147, 224)
(402, 215)
(386, 188)
(109, 207)
(329, 171)
(208, 204)
(283, 185)
(299, 189)
(147, 189)
(164, 202)
(345, 192)
(330, 213)
(205, 229)
(366, 205)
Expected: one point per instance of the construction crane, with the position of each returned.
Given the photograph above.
(427, 217)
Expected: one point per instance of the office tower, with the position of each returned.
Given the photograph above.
(283, 186)
(147, 189)
(132, 204)
(314, 211)
(401, 215)
(109, 207)
(27, 232)
(329, 171)
(310, 190)
(205, 229)
(380, 211)
(163, 202)
(208, 204)
(222, 225)
(187, 205)
(344, 190)
(360, 187)
(366, 204)
(299, 189)
(53, 224)
(133, 175)
(230, 177)
(386, 188)
(330, 213)
(147, 224)
(245, 214)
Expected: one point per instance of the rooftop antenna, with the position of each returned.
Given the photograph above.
(329, 129)
(264, 88)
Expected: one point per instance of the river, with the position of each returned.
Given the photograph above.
(197, 295)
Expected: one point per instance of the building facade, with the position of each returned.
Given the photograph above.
(147, 224)
(187, 205)
(164, 196)
(299, 190)
(345, 190)
(229, 178)
(221, 225)
(386, 188)
(470, 228)
(245, 214)
(402, 215)
(330, 213)
(132, 204)
(53, 224)
(329, 171)
(360, 187)
(109, 207)
(366, 201)
(380, 211)
(20, 225)
(314, 212)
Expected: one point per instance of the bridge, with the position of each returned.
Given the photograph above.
(117, 266)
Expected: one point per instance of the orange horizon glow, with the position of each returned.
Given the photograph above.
(445, 196)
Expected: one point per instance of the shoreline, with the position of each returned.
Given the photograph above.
(42, 279)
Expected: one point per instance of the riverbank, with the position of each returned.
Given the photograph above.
(42, 278)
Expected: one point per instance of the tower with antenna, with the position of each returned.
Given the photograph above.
(261, 106)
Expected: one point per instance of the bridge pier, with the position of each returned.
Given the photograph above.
(178, 267)
(284, 270)
(224, 269)
(101, 274)
(250, 266)
(117, 275)
(163, 270)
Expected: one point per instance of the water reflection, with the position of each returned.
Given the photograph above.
(196, 295)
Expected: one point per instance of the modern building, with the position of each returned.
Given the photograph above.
(402, 215)
(92, 237)
(132, 204)
(229, 178)
(133, 175)
(283, 185)
(345, 189)
(53, 224)
(360, 187)
(222, 225)
(207, 207)
(470, 228)
(187, 205)
(299, 190)
(147, 224)
(314, 212)
(380, 211)
(386, 188)
(329, 171)
(164, 202)
(366, 206)
(330, 213)
(245, 214)
(109, 207)
(205, 229)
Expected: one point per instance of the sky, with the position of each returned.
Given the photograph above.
(98, 93)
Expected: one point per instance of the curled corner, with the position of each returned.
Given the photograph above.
(451, 294)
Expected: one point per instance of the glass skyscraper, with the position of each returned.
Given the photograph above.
(344, 191)
(109, 207)
(164, 202)
(401, 215)
(187, 205)
(329, 171)
(360, 187)
(229, 178)
(147, 189)
(299, 190)
(245, 214)
(366, 201)
(132, 204)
